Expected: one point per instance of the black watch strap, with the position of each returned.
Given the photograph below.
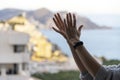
(78, 44)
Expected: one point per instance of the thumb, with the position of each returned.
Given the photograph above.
(79, 29)
(62, 33)
(55, 30)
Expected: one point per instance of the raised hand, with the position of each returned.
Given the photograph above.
(67, 27)
(71, 28)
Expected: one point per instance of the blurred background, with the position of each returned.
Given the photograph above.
(29, 47)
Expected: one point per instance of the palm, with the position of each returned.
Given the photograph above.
(67, 28)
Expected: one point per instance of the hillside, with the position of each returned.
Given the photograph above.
(42, 18)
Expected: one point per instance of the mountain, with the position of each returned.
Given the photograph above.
(43, 18)
(86, 22)
(41, 15)
(9, 13)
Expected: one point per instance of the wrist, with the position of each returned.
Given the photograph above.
(74, 41)
(79, 43)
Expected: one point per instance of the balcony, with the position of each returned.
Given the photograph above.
(14, 58)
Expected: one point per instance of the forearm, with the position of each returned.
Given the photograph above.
(84, 74)
(77, 60)
(88, 61)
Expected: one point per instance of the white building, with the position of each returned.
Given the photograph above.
(14, 56)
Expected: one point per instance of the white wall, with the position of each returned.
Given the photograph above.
(4, 44)
(10, 38)
(14, 58)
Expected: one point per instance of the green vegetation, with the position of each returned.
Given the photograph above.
(69, 75)
(110, 62)
(63, 75)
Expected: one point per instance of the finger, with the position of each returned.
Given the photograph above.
(56, 30)
(74, 20)
(70, 19)
(56, 23)
(79, 29)
(67, 17)
(59, 20)
(59, 32)
(65, 24)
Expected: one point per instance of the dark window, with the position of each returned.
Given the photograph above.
(19, 48)
(13, 70)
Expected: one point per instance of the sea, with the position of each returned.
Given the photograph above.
(99, 42)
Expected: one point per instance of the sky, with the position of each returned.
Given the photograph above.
(111, 7)
(83, 6)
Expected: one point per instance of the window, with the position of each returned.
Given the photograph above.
(19, 48)
(13, 70)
